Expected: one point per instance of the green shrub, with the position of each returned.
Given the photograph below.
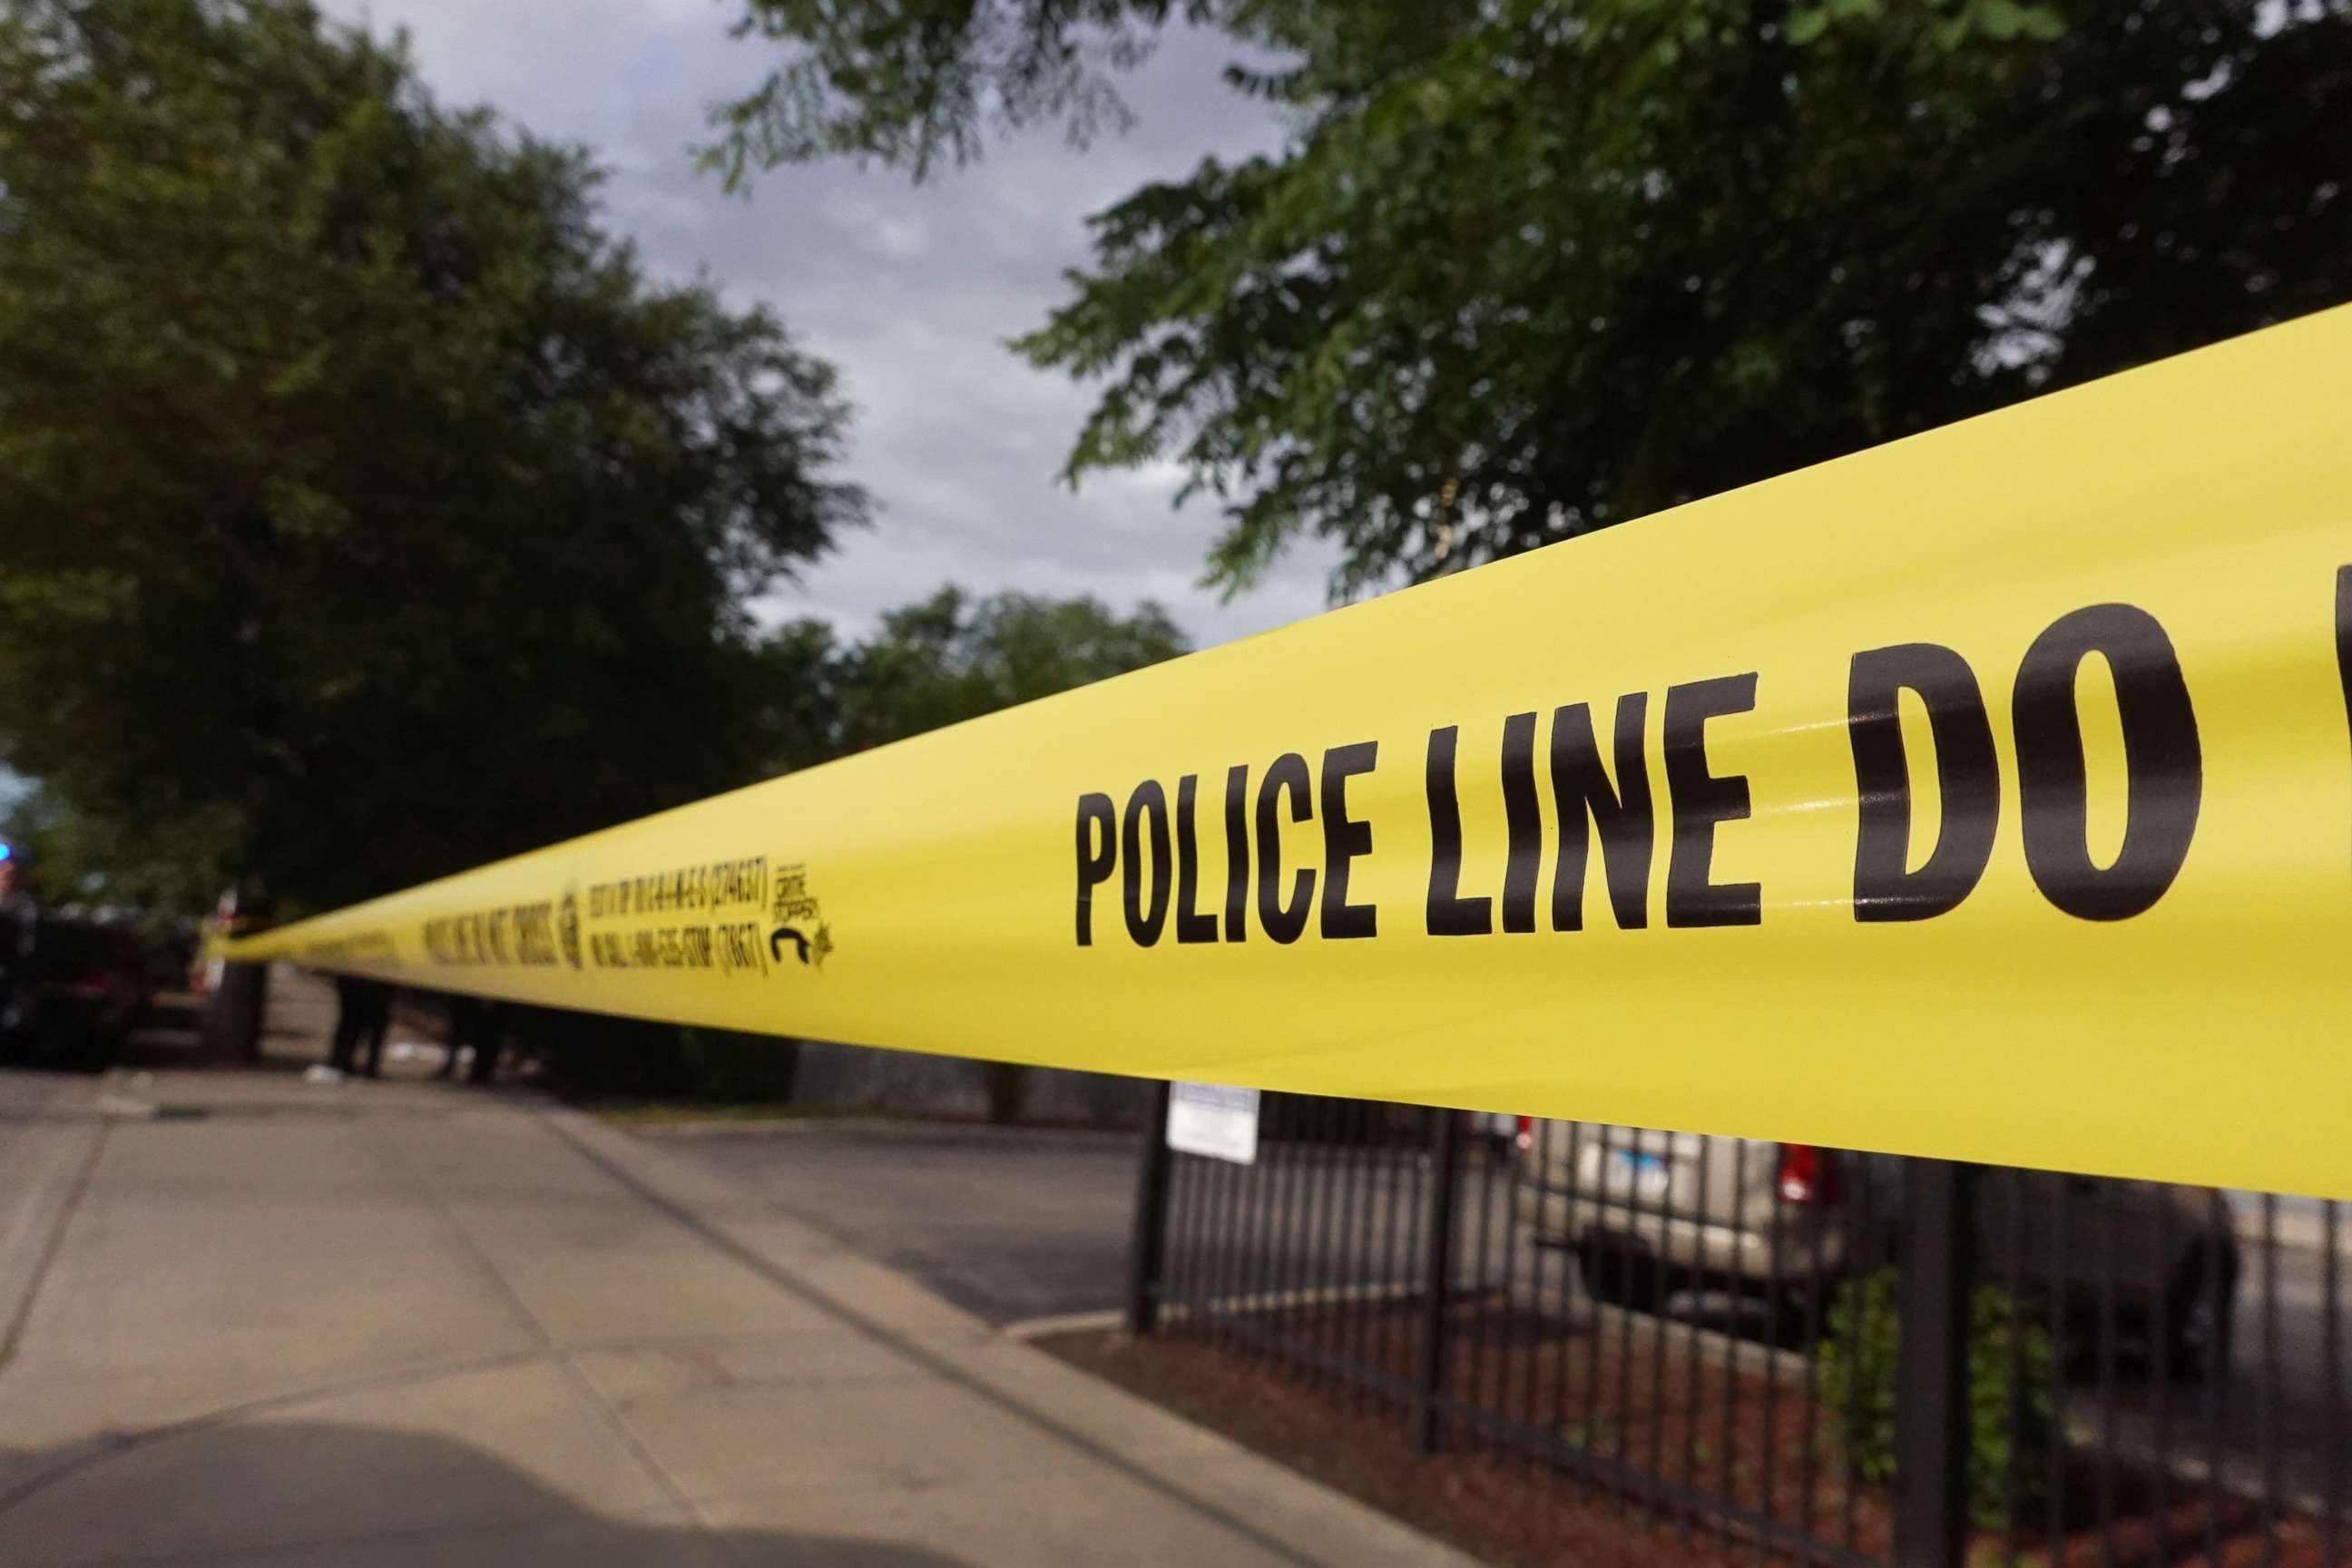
(1858, 1364)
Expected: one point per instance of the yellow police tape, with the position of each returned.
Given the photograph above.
(1986, 795)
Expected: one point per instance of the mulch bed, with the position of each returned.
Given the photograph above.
(1643, 1406)
(1497, 1508)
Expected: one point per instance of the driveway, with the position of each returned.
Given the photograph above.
(1007, 1223)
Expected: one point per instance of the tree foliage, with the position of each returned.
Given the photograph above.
(939, 661)
(366, 510)
(911, 82)
(1525, 268)
(953, 656)
(71, 859)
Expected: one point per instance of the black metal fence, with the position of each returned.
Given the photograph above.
(1810, 1352)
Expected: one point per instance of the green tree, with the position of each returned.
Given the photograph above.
(366, 510)
(952, 657)
(798, 712)
(75, 859)
(1524, 270)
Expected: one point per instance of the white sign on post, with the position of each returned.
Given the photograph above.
(1213, 1119)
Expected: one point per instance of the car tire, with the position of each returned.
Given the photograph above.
(1801, 1318)
(1620, 1276)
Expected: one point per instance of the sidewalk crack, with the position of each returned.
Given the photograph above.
(562, 1359)
(53, 1244)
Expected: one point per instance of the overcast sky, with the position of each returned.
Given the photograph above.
(910, 291)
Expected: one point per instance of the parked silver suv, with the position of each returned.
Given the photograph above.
(1648, 1213)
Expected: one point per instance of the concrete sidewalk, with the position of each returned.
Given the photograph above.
(286, 1323)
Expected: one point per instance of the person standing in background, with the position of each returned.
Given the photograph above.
(461, 1030)
(478, 1024)
(375, 1017)
(488, 1040)
(363, 1013)
(20, 918)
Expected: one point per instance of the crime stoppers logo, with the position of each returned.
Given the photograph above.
(709, 917)
(797, 918)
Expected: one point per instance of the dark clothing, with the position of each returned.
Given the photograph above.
(487, 1041)
(20, 920)
(362, 1013)
(461, 1026)
(379, 1020)
(19, 915)
(476, 1023)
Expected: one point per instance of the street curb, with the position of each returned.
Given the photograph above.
(1027, 1328)
(878, 1127)
(1222, 1481)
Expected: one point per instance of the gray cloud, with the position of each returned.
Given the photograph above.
(911, 291)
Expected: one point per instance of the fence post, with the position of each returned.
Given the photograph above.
(1437, 1271)
(1148, 1247)
(1935, 1271)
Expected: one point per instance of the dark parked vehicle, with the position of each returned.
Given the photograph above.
(88, 982)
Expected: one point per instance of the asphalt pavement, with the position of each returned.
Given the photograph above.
(1009, 1224)
(1019, 1224)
